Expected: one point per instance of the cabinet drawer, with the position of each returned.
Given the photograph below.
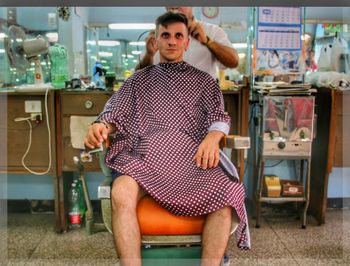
(83, 104)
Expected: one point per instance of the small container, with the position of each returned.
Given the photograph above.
(273, 186)
(291, 188)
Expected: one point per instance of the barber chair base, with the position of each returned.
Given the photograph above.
(174, 256)
(171, 256)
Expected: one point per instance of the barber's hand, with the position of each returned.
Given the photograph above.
(97, 134)
(151, 44)
(197, 31)
(207, 155)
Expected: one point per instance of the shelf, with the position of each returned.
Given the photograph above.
(281, 199)
(286, 157)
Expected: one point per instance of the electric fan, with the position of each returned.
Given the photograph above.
(21, 52)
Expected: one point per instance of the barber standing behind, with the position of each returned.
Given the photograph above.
(209, 46)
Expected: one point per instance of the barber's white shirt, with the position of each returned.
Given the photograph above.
(199, 55)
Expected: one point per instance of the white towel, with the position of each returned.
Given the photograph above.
(78, 128)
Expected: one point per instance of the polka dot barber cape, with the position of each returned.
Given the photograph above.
(162, 113)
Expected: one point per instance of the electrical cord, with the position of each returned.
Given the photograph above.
(273, 165)
(27, 119)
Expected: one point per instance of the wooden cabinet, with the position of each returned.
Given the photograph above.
(84, 104)
(236, 105)
(15, 135)
(342, 125)
(330, 146)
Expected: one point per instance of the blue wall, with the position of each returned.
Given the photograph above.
(27, 186)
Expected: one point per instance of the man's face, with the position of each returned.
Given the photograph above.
(172, 42)
(186, 10)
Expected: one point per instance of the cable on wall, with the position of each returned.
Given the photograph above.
(27, 119)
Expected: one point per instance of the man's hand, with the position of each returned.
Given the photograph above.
(207, 155)
(151, 44)
(197, 31)
(97, 134)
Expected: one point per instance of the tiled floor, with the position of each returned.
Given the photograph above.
(31, 240)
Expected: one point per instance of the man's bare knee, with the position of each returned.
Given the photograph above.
(224, 213)
(125, 192)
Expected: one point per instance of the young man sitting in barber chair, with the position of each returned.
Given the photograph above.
(167, 121)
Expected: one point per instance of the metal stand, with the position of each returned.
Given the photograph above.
(304, 178)
(285, 132)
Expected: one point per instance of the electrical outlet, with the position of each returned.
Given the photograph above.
(32, 106)
(36, 117)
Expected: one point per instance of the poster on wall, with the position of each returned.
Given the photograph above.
(270, 62)
(278, 47)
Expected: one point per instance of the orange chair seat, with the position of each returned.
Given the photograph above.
(155, 220)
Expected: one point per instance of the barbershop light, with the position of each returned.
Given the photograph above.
(104, 43)
(108, 43)
(136, 52)
(2, 35)
(239, 45)
(132, 26)
(105, 54)
(52, 36)
(137, 43)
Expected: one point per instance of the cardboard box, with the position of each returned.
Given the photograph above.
(273, 186)
(291, 188)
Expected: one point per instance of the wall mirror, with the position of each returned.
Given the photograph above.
(119, 50)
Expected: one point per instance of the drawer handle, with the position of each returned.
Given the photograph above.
(88, 104)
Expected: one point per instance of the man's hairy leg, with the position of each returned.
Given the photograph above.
(215, 236)
(125, 195)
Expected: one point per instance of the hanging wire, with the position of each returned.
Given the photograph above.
(267, 166)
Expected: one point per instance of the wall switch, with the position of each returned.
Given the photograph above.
(32, 106)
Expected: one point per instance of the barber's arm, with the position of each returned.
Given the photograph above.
(151, 49)
(225, 55)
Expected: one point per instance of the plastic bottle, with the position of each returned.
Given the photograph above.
(59, 65)
(82, 204)
(74, 208)
(99, 75)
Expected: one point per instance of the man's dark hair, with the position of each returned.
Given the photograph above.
(169, 18)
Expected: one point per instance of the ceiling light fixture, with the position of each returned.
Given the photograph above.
(108, 43)
(240, 45)
(104, 43)
(132, 26)
(137, 43)
(105, 54)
